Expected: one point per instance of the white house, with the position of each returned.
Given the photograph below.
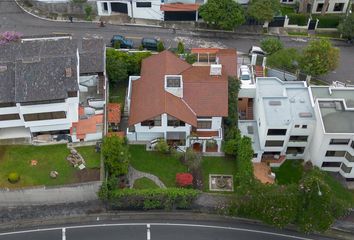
(279, 118)
(181, 103)
(319, 6)
(332, 148)
(39, 87)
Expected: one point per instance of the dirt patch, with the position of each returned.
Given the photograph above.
(87, 175)
(2, 152)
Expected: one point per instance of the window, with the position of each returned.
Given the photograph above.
(276, 131)
(298, 138)
(319, 7)
(44, 116)
(174, 122)
(271, 143)
(339, 141)
(295, 150)
(8, 117)
(297, 126)
(7, 105)
(338, 7)
(72, 94)
(143, 4)
(154, 122)
(345, 169)
(173, 81)
(204, 124)
(42, 102)
(335, 153)
(349, 157)
(352, 145)
(304, 126)
(331, 164)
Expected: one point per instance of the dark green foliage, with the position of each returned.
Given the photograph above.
(328, 20)
(319, 57)
(224, 14)
(190, 58)
(120, 65)
(232, 139)
(13, 177)
(298, 19)
(271, 45)
(289, 172)
(263, 10)
(160, 46)
(284, 59)
(346, 27)
(180, 47)
(88, 12)
(116, 44)
(116, 156)
(162, 146)
(148, 199)
(244, 177)
(233, 88)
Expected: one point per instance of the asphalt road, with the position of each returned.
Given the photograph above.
(175, 230)
(12, 18)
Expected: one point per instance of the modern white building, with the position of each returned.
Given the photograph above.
(332, 148)
(39, 86)
(319, 6)
(180, 103)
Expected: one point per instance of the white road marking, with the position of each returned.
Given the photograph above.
(148, 236)
(156, 224)
(63, 234)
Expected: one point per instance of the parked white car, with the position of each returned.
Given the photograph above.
(256, 50)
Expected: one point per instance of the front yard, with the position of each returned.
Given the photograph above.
(17, 158)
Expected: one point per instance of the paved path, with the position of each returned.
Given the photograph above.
(134, 174)
(50, 195)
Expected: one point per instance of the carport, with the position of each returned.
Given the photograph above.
(180, 12)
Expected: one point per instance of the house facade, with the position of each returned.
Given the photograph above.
(323, 6)
(40, 90)
(181, 103)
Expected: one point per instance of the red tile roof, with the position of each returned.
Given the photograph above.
(203, 95)
(114, 113)
(86, 126)
(207, 133)
(179, 7)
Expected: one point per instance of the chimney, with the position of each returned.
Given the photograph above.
(215, 69)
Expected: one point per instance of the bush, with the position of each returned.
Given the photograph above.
(13, 177)
(298, 19)
(191, 58)
(180, 47)
(88, 12)
(162, 146)
(116, 44)
(147, 199)
(284, 59)
(244, 176)
(184, 179)
(328, 20)
(160, 46)
(271, 45)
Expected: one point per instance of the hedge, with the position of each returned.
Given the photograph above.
(328, 21)
(147, 199)
(298, 19)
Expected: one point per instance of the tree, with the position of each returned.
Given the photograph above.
(319, 57)
(116, 156)
(224, 14)
(160, 46)
(263, 10)
(88, 12)
(346, 27)
(244, 155)
(286, 58)
(233, 89)
(271, 45)
(180, 47)
(232, 139)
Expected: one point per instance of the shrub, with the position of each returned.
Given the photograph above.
(147, 199)
(298, 19)
(116, 155)
(191, 58)
(88, 12)
(328, 20)
(141, 48)
(116, 44)
(160, 46)
(184, 179)
(180, 47)
(13, 177)
(162, 146)
(244, 177)
(271, 45)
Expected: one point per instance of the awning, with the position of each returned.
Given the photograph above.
(179, 7)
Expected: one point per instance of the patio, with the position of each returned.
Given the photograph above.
(263, 173)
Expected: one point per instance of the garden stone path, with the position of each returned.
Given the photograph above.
(134, 174)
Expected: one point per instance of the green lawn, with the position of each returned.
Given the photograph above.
(286, 9)
(217, 165)
(289, 172)
(340, 191)
(92, 158)
(117, 93)
(144, 183)
(163, 166)
(17, 158)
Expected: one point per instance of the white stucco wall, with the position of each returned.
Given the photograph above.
(330, 6)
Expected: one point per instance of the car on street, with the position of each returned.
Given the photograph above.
(149, 43)
(256, 50)
(124, 43)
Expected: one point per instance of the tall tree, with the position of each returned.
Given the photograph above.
(116, 156)
(319, 57)
(224, 14)
(263, 10)
(271, 44)
(346, 27)
(284, 59)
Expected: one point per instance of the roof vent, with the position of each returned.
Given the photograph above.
(302, 100)
(305, 115)
(68, 72)
(215, 69)
(3, 68)
(292, 100)
(274, 103)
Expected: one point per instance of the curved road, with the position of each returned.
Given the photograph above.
(173, 230)
(12, 18)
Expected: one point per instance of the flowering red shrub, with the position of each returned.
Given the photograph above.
(184, 179)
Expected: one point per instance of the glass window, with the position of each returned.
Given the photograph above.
(331, 164)
(295, 150)
(304, 126)
(44, 116)
(174, 122)
(173, 81)
(143, 4)
(204, 124)
(319, 7)
(338, 7)
(335, 153)
(271, 143)
(345, 168)
(8, 117)
(276, 131)
(339, 141)
(298, 138)
(154, 122)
